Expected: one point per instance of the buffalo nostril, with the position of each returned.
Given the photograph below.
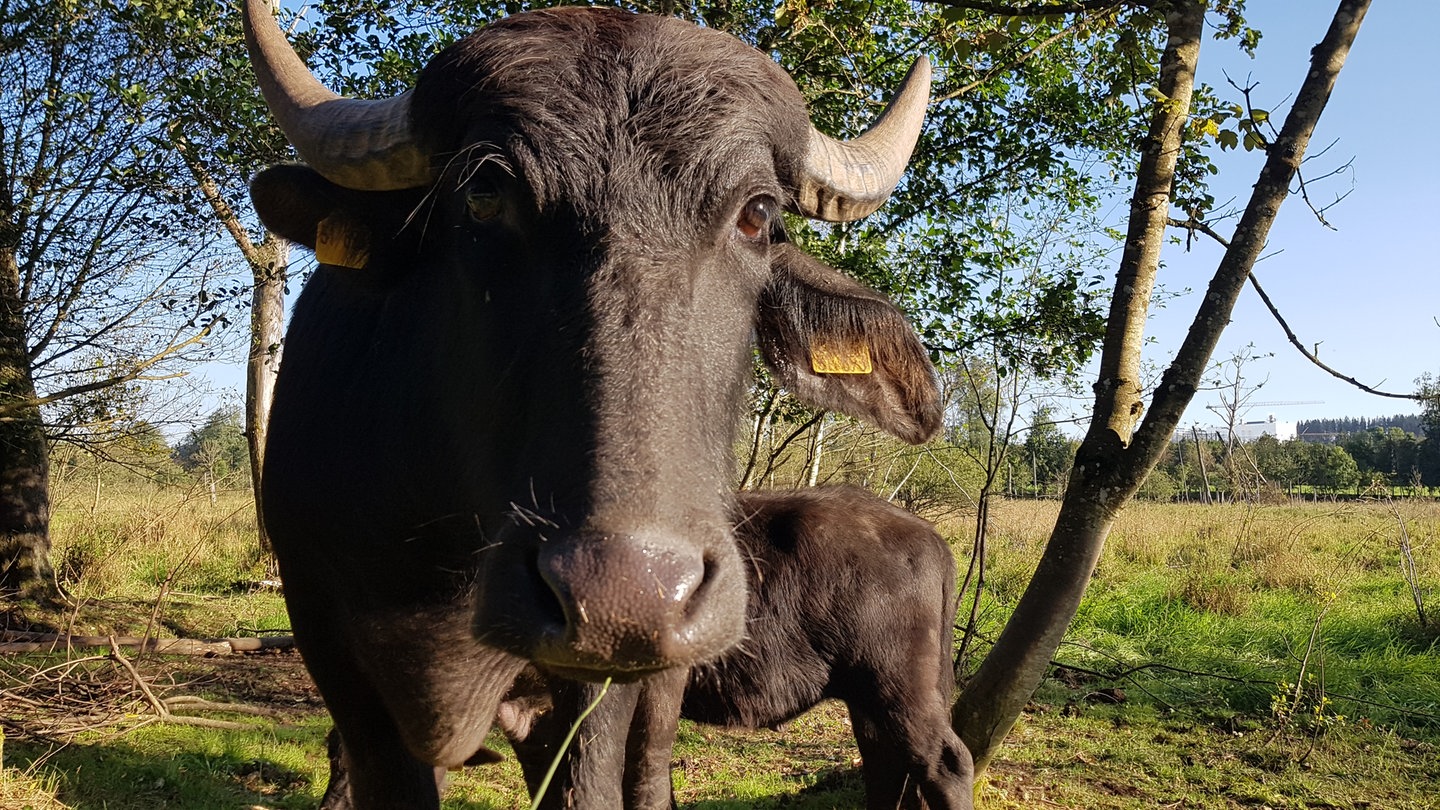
(699, 596)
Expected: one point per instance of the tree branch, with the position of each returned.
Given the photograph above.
(9, 409)
(1017, 61)
(1194, 224)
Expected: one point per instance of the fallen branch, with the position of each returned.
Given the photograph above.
(190, 703)
(12, 642)
(111, 691)
(162, 712)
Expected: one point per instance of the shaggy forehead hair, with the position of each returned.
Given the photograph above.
(592, 103)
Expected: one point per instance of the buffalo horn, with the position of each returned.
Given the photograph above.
(846, 180)
(357, 144)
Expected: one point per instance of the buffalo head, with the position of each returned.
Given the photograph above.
(503, 424)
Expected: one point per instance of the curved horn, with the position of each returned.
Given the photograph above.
(846, 180)
(362, 145)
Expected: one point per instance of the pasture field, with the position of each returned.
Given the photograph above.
(1233, 656)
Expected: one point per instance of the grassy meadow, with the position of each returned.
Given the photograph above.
(1232, 656)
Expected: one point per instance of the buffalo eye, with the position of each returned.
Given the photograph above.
(755, 218)
(483, 202)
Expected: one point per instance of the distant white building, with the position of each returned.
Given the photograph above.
(1247, 431)
(1252, 430)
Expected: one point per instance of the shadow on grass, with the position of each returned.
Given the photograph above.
(119, 776)
(831, 788)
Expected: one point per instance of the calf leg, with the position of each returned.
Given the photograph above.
(912, 759)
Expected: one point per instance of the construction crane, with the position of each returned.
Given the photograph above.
(1245, 407)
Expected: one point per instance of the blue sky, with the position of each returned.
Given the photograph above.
(1368, 292)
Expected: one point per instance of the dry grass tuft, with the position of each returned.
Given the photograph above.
(143, 535)
(1222, 593)
(25, 789)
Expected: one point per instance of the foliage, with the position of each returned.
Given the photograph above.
(217, 447)
(1428, 455)
(1381, 455)
(1048, 451)
(1159, 486)
(1328, 429)
(118, 278)
(1390, 453)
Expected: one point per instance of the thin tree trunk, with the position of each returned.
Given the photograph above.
(268, 267)
(817, 448)
(1200, 460)
(762, 426)
(267, 333)
(1113, 460)
(1118, 387)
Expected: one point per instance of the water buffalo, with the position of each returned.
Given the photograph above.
(501, 431)
(850, 599)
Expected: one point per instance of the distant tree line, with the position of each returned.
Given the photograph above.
(1333, 431)
(214, 454)
(1378, 457)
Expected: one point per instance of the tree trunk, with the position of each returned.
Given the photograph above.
(1200, 460)
(24, 454)
(268, 267)
(1117, 390)
(817, 448)
(1114, 458)
(267, 332)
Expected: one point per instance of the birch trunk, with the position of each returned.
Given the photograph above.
(267, 334)
(268, 269)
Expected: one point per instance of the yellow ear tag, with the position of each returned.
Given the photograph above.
(341, 243)
(844, 356)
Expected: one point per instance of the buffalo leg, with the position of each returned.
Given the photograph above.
(337, 791)
(368, 757)
(652, 741)
(376, 772)
(590, 773)
(620, 756)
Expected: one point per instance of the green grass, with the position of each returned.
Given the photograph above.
(183, 766)
(1220, 604)
(1200, 616)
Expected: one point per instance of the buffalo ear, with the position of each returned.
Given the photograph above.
(819, 330)
(341, 225)
(292, 200)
